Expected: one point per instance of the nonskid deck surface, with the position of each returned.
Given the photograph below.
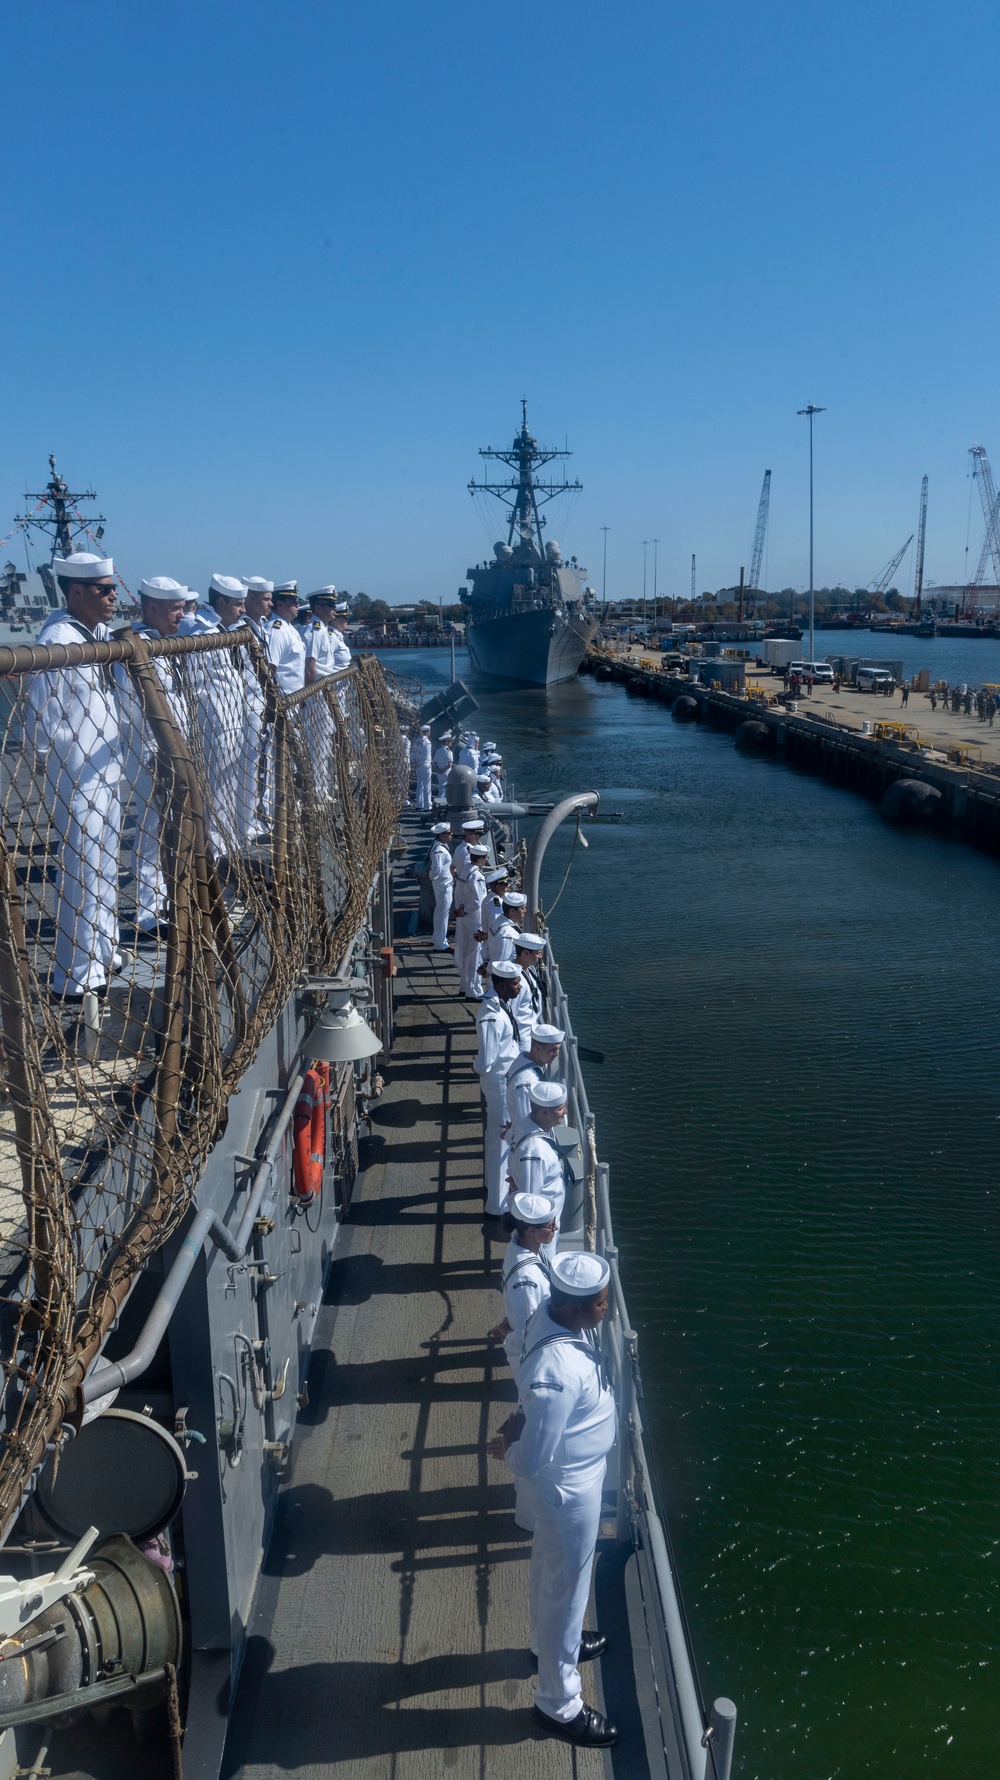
(391, 1630)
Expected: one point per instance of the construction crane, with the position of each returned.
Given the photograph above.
(757, 554)
(918, 573)
(983, 475)
(878, 587)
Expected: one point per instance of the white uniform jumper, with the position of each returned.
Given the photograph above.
(521, 1078)
(525, 1283)
(442, 767)
(73, 731)
(422, 762)
(498, 1049)
(216, 682)
(469, 888)
(330, 653)
(248, 787)
(439, 867)
(569, 1430)
(500, 939)
(535, 1165)
(147, 788)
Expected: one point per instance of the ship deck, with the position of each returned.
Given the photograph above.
(390, 1630)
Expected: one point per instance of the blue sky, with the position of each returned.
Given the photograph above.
(274, 273)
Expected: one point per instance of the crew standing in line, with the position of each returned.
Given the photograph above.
(470, 888)
(535, 1163)
(257, 612)
(286, 645)
(422, 763)
(442, 765)
(439, 868)
(217, 685)
(325, 652)
(505, 929)
(529, 1069)
(498, 1048)
(73, 729)
(162, 602)
(528, 948)
(525, 1286)
(560, 1444)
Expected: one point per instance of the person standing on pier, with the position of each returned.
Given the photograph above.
(72, 729)
(439, 869)
(529, 1069)
(560, 1444)
(422, 763)
(499, 1047)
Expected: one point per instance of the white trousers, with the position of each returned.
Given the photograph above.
(495, 1149)
(86, 815)
(423, 787)
(443, 889)
(221, 746)
(150, 884)
(562, 1558)
(318, 724)
(467, 955)
(248, 771)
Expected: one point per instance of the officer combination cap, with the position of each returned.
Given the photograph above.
(322, 593)
(82, 565)
(475, 825)
(163, 587)
(504, 969)
(528, 942)
(548, 1035)
(514, 899)
(547, 1093)
(257, 584)
(580, 1276)
(342, 607)
(441, 828)
(497, 876)
(228, 585)
(283, 588)
(530, 1208)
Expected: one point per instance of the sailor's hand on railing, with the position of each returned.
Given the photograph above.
(500, 1332)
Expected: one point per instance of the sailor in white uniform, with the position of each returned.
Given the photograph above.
(525, 1286)
(505, 928)
(422, 763)
(254, 817)
(217, 685)
(286, 645)
(162, 601)
(326, 654)
(531, 1067)
(561, 1448)
(73, 737)
(498, 1049)
(470, 888)
(490, 910)
(487, 790)
(528, 948)
(471, 831)
(442, 765)
(439, 871)
(404, 736)
(535, 1163)
(469, 755)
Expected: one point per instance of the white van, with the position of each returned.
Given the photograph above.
(874, 680)
(812, 673)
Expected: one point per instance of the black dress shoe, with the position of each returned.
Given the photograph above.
(592, 1645)
(588, 1730)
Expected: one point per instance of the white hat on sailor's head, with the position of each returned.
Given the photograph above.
(547, 1035)
(482, 778)
(530, 1208)
(547, 1094)
(579, 1275)
(474, 822)
(478, 851)
(82, 565)
(528, 942)
(497, 876)
(342, 608)
(163, 587)
(441, 828)
(487, 746)
(514, 899)
(286, 587)
(503, 968)
(425, 729)
(258, 584)
(229, 586)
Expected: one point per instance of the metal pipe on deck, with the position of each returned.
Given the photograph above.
(581, 800)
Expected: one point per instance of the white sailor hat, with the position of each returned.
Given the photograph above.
(482, 778)
(281, 587)
(323, 593)
(257, 584)
(82, 565)
(547, 1094)
(528, 942)
(487, 746)
(478, 851)
(548, 1035)
(514, 899)
(228, 585)
(494, 877)
(474, 822)
(579, 1275)
(425, 729)
(163, 587)
(441, 828)
(446, 735)
(530, 1208)
(503, 968)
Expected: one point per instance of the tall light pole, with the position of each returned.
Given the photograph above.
(644, 543)
(604, 584)
(656, 543)
(811, 410)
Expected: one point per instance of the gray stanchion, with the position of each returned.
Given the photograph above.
(719, 1740)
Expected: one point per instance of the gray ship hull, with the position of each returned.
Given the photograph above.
(536, 648)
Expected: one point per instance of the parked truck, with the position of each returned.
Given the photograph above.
(780, 652)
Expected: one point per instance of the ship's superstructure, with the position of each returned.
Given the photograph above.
(28, 597)
(529, 618)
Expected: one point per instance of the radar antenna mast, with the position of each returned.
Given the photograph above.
(523, 496)
(61, 519)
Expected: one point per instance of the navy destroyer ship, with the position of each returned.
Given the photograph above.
(529, 616)
(29, 596)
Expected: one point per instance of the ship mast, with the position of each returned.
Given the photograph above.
(523, 496)
(61, 520)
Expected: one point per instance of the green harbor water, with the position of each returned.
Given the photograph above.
(799, 1105)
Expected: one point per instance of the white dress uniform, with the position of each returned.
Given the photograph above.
(286, 652)
(535, 1165)
(248, 786)
(470, 886)
(469, 756)
(217, 686)
(442, 767)
(73, 733)
(498, 1049)
(521, 1078)
(317, 717)
(500, 938)
(422, 762)
(525, 1285)
(569, 1430)
(142, 776)
(525, 1012)
(407, 763)
(439, 867)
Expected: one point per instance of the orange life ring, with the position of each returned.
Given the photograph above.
(309, 1133)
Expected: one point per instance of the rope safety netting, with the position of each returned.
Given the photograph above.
(178, 843)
